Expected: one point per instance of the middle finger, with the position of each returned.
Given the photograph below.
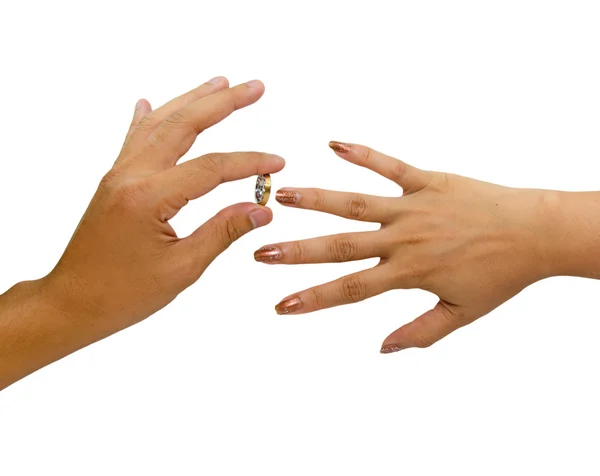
(325, 249)
(153, 119)
(173, 138)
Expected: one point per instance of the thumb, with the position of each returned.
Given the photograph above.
(425, 330)
(218, 233)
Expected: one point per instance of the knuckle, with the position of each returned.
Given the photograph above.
(212, 163)
(176, 119)
(398, 171)
(413, 239)
(158, 136)
(455, 317)
(319, 199)
(422, 341)
(415, 273)
(230, 232)
(297, 252)
(124, 192)
(146, 124)
(342, 249)
(411, 275)
(317, 299)
(446, 186)
(439, 182)
(132, 193)
(356, 207)
(367, 154)
(230, 101)
(354, 288)
(109, 179)
(451, 318)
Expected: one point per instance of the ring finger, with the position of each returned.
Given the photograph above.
(347, 290)
(325, 249)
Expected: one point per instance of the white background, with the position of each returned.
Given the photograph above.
(217, 383)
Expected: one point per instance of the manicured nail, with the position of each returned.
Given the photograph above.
(268, 254)
(340, 147)
(216, 80)
(390, 348)
(289, 305)
(254, 83)
(259, 217)
(286, 196)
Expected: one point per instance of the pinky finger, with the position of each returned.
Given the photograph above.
(142, 108)
(347, 290)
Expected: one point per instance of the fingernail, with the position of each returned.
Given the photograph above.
(390, 348)
(268, 254)
(289, 305)
(254, 83)
(278, 158)
(259, 217)
(286, 196)
(216, 80)
(341, 147)
(138, 104)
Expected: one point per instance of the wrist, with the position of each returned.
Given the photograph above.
(55, 294)
(532, 210)
(573, 233)
(28, 331)
(547, 217)
(23, 295)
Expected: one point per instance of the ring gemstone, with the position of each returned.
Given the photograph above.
(262, 189)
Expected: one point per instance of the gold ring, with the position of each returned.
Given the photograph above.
(262, 189)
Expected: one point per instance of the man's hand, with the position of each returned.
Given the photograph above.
(124, 261)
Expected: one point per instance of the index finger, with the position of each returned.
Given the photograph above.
(176, 134)
(197, 177)
(410, 178)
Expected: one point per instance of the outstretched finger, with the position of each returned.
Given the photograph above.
(347, 290)
(142, 108)
(355, 206)
(425, 330)
(153, 119)
(325, 249)
(177, 132)
(410, 178)
(194, 178)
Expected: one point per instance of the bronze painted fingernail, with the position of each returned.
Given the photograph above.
(289, 305)
(390, 348)
(268, 254)
(340, 147)
(284, 196)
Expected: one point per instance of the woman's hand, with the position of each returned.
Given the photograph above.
(124, 261)
(473, 244)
